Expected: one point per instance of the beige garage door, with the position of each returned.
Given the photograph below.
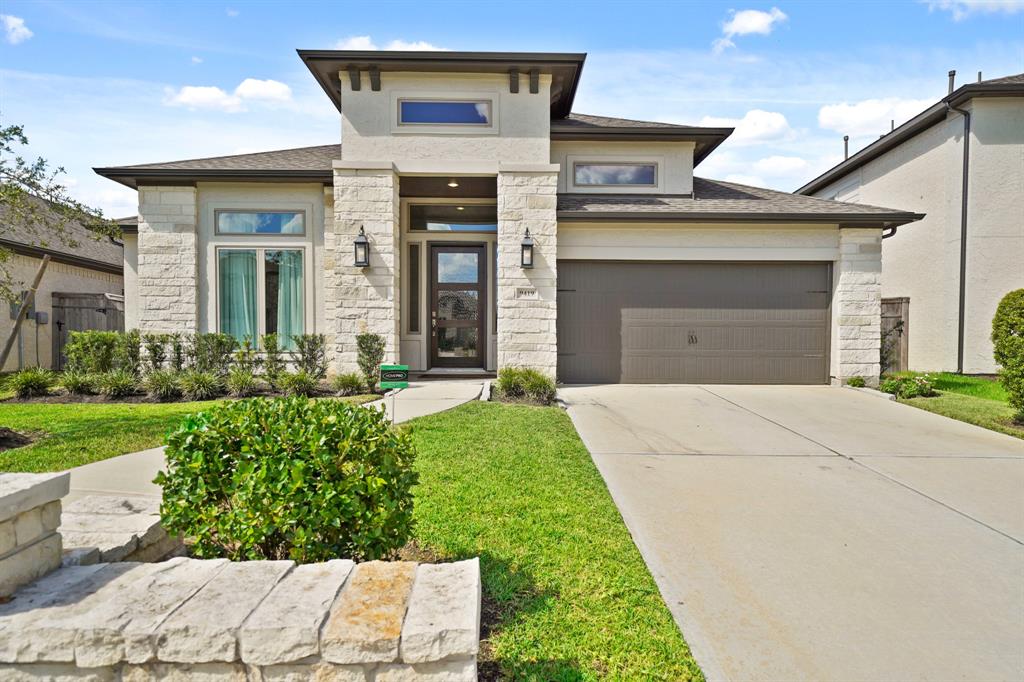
(727, 323)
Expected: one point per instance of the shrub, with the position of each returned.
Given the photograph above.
(78, 383)
(522, 383)
(273, 361)
(91, 351)
(212, 352)
(300, 479)
(347, 384)
(162, 385)
(31, 382)
(311, 352)
(179, 353)
(241, 383)
(370, 356)
(1008, 344)
(118, 383)
(300, 383)
(156, 350)
(128, 355)
(247, 358)
(199, 385)
(908, 386)
(856, 382)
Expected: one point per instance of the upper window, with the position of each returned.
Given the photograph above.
(261, 222)
(615, 174)
(444, 112)
(454, 217)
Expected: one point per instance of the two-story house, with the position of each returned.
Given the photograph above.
(475, 222)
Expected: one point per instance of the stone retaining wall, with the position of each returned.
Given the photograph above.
(30, 546)
(107, 528)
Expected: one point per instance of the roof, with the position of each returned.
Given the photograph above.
(84, 247)
(717, 201)
(564, 68)
(590, 127)
(1007, 86)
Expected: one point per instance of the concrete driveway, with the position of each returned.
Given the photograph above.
(819, 533)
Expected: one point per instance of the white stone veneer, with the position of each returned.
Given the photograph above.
(857, 305)
(167, 258)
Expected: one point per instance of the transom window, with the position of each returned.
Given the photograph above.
(260, 222)
(261, 291)
(615, 174)
(453, 217)
(475, 112)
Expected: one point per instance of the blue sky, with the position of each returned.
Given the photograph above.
(107, 83)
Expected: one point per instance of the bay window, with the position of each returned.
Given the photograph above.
(261, 291)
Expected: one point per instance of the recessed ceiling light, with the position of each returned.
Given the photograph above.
(453, 183)
(460, 208)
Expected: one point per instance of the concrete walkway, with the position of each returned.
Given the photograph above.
(133, 474)
(818, 533)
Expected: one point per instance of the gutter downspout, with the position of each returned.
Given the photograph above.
(963, 235)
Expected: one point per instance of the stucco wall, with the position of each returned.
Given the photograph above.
(674, 159)
(37, 340)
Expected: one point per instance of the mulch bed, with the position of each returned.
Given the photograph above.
(10, 439)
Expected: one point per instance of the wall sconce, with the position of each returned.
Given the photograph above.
(362, 249)
(527, 253)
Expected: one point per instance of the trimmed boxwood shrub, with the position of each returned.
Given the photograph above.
(300, 479)
(1008, 347)
(524, 384)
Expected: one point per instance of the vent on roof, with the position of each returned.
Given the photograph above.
(952, 80)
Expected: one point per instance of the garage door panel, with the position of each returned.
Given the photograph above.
(693, 322)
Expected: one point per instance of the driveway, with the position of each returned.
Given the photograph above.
(819, 533)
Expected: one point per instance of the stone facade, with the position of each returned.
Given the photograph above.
(358, 300)
(527, 299)
(167, 260)
(858, 305)
(30, 546)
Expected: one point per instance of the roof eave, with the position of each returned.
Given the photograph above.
(842, 220)
(132, 177)
(707, 139)
(61, 257)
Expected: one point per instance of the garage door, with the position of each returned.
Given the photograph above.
(743, 323)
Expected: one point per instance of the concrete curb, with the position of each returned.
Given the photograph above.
(485, 392)
(872, 392)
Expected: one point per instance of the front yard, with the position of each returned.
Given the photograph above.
(981, 401)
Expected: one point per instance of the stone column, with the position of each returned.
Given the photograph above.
(527, 299)
(858, 304)
(168, 300)
(358, 300)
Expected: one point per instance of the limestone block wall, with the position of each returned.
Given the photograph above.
(358, 300)
(167, 260)
(527, 299)
(857, 305)
(30, 546)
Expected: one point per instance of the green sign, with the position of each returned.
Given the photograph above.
(394, 376)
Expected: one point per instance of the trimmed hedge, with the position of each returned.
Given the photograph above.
(1008, 347)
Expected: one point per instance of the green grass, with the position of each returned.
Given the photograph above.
(990, 414)
(73, 434)
(569, 591)
(976, 386)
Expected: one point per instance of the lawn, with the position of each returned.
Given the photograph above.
(566, 591)
(976, 386)
(69, 435)
(981, 401)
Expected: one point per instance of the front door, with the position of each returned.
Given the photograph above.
(458, 299)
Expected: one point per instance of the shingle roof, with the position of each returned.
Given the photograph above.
(300, 158)
(1016, 79)
(79, 244)
(591, 121)
(714, 200)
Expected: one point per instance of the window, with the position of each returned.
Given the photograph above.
(615, 174)
(260, 222)
(453, 217)
(444, 112)
(261, 291)
(414, 288)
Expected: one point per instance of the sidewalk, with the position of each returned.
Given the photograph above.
(133, 474)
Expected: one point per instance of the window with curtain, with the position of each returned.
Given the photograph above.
(270, 281)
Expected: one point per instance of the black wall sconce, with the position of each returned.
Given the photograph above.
(527, 251)
(362, 249)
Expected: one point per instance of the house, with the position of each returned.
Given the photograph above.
(82, 288)
(504, 230)
(961, 162)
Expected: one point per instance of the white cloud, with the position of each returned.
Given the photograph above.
(197, 60)
(757, 126)
(366, 43)
(747, 22)
(15, 29)
(212, 97)
(780, 165)
(961, 9)
(870, 116)
(232, 12)
(266, 90)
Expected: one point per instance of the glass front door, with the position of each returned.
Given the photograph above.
(458, 300)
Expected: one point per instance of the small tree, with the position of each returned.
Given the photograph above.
(371, 355)
(1008, 346)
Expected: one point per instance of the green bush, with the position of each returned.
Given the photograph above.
(199, 385)
(908, 386)
(300, 479)
(247, 358)
(273, 359)
(118, 383)
(128, 355)
(241, 383)
(162, 385)
(78, 383)
(856, 382)
(156, 350)
(91, 351)
(31, 382)
(311, 354)
(347, 384)
(1008, 346)
(212, 352)
(179, 353)
(300, 383)
(524, 384)
(370, 349)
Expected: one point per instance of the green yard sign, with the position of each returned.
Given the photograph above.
(394, 376)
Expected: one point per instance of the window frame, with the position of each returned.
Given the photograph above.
(446, 100)
(218, 211)
(261, 283)
(446, 202)
(466, 94)
(651, 185)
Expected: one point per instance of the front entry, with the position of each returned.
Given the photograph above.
(458, 303)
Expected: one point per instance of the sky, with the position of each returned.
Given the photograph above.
(113, 83)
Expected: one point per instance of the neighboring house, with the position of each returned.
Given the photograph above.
(968, 252)
(504, 230)
(83, 277)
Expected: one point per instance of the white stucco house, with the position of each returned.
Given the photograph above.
(960, 162)
(503, 229)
